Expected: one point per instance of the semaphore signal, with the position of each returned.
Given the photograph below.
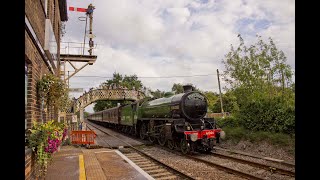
(77, 9)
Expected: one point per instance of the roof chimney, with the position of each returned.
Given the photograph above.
(187, 88)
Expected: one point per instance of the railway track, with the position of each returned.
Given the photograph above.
(202, 158)
(270, 172)
(272, 160)
(267, 167)
(155, 168)
(216, 165)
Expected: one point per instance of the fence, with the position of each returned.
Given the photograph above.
(82, 137)
(76, 48)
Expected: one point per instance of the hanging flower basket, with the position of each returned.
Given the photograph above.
(53, 91)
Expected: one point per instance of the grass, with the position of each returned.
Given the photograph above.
(235, 134)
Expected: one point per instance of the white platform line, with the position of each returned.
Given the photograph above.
(135, 166)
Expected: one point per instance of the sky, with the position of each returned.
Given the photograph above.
(162, 40)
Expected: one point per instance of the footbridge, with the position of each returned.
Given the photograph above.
(94, 95)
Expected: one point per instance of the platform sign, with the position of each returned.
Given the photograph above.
(76, 90)
(74, 118)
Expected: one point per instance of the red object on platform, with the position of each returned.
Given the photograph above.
(77, 9)
(82, 137)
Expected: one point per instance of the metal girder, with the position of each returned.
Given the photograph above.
(76, 70)
(78, 58)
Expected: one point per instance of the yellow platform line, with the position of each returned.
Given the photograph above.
(82, 171)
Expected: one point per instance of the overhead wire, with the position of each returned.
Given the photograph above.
(151, 76)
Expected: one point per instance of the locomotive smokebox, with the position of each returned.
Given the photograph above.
(187, 88)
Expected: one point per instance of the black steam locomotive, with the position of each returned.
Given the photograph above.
(177, 121)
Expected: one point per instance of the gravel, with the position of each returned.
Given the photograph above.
(261, 149)
(203, 171)
(257, 160)
(244, 167)
(193, 168)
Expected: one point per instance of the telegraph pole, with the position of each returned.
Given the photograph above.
(220, 93)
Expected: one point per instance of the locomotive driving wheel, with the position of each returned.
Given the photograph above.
(152, 139)
(151, 130)
(143, 131)
(162, 137)
(171, 144)
(184, 146)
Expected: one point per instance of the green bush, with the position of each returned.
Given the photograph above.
(235, 134)
(228, 121)
(264, 114)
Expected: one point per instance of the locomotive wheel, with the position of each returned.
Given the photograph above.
(162, 137)
(171, 144)
(152, 139)
(208, 150)
(143, 131)
(151, 131)
(162, 140)
(184, 146)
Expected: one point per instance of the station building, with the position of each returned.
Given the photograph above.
(44, 23)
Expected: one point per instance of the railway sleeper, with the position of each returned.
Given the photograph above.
(161, 174)
(168, 177)
(146, 165)
(151, 168)
(155, 171)
(138, 160)
(142, 163)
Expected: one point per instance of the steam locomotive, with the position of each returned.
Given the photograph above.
(178, 121)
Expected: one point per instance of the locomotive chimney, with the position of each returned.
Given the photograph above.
(187, 88)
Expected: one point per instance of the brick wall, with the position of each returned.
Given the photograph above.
(36, 15)
(37, 67)
(29, 164)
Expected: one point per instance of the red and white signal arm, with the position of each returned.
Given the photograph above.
(77, 9)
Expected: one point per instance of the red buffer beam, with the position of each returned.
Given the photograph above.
(77, 9)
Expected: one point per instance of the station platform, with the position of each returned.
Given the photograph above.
(80, 163)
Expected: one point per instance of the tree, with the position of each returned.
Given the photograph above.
(257, 69)
(177, 88)
(212, 99)
(229, 103)
(261, 82)
(130, 82)
(157, 94)
(102, 105)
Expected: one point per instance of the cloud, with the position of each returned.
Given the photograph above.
(177, 38)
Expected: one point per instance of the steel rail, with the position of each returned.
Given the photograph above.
(225, 168)
(277, 161)
(259, 165)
